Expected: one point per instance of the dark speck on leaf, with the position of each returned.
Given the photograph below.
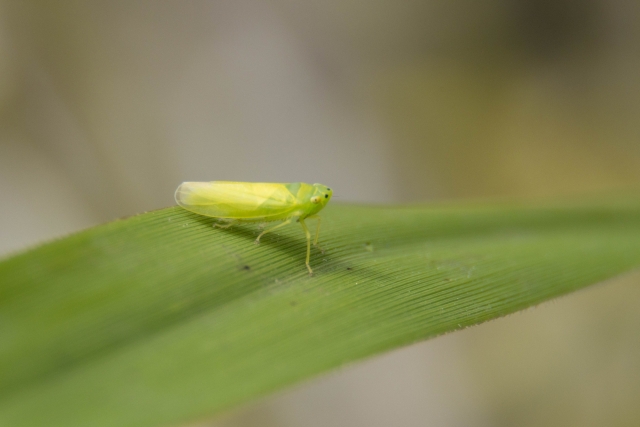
(246, 268)
(349, 268)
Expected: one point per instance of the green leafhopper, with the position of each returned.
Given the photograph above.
(236, 202)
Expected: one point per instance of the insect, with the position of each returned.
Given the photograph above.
(237, 202)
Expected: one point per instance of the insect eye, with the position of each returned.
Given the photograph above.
(326, 196)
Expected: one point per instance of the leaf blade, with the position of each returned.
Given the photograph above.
(160, 318)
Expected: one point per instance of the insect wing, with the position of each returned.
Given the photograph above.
(241, 200)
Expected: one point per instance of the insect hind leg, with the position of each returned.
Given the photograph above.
(268, 230)
(224, 223)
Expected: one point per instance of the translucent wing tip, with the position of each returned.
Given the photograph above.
(178, 194)
(185, 193)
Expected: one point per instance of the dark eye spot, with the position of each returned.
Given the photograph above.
(328, 189)
(326, 196)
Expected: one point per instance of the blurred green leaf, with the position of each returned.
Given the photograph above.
(160, 318)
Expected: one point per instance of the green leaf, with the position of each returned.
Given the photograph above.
(161, 318)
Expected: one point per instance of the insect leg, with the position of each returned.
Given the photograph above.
(271, 229)
(224, 224)
(306, 231)
(315, 241)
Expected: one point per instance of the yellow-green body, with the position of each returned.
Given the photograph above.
(234, 202)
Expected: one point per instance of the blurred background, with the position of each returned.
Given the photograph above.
(106, 106)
